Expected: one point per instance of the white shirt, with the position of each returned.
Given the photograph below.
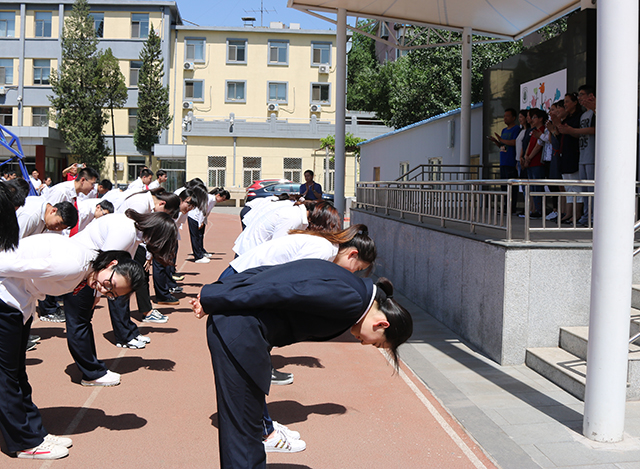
(36, 183)
(62, 192)
(154, 184)
(31, 216)
(273, 224)
(547, 149)
(116, 197)
(86, 212)
(286, 249)
(45, 191)
(136, 186)
(44, 264)
(258, 210)
(93, 193)
(197, 215)
(141, 203)
(112, 232)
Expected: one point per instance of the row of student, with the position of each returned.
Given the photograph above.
(292, 262)
(557, 145)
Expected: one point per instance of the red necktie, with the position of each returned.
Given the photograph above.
(74, 230)
(80, 286)
(146, 187)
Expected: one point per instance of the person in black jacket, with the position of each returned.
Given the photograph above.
(252, 311)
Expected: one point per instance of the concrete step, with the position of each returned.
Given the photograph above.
(575, 340)
(560, 367)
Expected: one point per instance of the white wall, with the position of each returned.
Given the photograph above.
(417, 143)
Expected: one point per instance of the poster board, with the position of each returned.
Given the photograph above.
(542, 92)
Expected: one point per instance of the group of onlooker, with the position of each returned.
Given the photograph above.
(555, 145)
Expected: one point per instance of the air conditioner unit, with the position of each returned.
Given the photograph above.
(188, 65)
(316, 108)
(187, 104)
(3, 90)
(119, 166)
(272, 107)
(323, 69)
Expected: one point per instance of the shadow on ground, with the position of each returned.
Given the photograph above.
(57, 420)
(125, 365)
(278, 361)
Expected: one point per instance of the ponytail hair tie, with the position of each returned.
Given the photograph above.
(381, 296)
(364, 232)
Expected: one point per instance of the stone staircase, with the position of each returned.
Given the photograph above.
(566, 365)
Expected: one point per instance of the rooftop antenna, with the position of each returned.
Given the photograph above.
(262, 10)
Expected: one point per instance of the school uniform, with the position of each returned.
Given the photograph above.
(136, 186)
(86, 212)
(42, 264)
(154, 184)
(252, 311)
(31, 216)
(195, 218)
(62, 192)
(261, 206)
(116, 197)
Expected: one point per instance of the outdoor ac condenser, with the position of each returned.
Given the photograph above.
(187, 104)
(315, 108)
(188, 65)
(272, 107)
(323, 69)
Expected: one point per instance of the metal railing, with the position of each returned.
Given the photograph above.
(476, 203)
(440, 172)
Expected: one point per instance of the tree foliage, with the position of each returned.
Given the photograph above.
(153, 98)
(350, 143)
(78, 99)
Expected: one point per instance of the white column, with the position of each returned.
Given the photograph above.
(465, 105)
(341, 106)
(611, 277)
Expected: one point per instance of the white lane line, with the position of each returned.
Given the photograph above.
(85, 407)
(440, 419)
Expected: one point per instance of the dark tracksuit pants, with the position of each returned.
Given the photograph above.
(197, 239)
(20, 419)
(143, 297)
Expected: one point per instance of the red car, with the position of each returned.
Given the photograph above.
(259, 184)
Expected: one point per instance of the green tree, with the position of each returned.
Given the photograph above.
(153, 98)
(361, 67)
(114, 93)
(350, 143)
(77, 99)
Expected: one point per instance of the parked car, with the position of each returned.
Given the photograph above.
(265, 182)
(277, 189)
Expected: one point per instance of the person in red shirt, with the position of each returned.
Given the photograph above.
(71, 172)
(532, 159)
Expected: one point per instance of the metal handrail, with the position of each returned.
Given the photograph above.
(440, 172)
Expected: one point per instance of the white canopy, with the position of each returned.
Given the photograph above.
(508, 19)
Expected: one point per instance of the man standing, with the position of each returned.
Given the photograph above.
(161, 176)
(36, 182)
(506, 141)
(310, 190)
(142, 183)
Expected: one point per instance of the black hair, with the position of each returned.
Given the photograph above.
(106, 206)
(322, 216)
(283, 196)
(88, 173)
(9, 228)
(540, 114)
(360, 240)
(108, 185)
(131, 270)
(512, 111)
(589, 89)
(400, 321)
(159, 232)
(161, 172)
(195, 182)
(11, 173)
(68, 213)
(559, 103)
(221, 191)
(171, 201)
(199, 196)
(146, 172)
(18, 190)
(309, 172)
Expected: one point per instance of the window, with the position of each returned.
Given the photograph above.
(41, 71)
(217, 171)
(98, 23)
(237, 51)
(6, 71)
(251, 166)
(7, 24)
(320, 53)
(194, 50)
(193, 89)
(134, 72)
(140, 25)
(133, 121)
(236, 92)
(176, 172)
(135, 165)
(404, 169)
(321, 93)
(277, 92)
(40, 116)
(6, 116)
(278, 52)
(293, 169)
(43, 24)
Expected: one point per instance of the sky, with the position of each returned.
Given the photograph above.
(230, 13)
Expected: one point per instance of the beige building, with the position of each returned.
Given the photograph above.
(248, 103)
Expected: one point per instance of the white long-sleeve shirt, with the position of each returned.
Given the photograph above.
(43, 264)
(31, 216)
(62, 192)
(111, 232)
(286, 249)
(136, 186)
(116, 197)
(141, 203)
(273, 224)
(263, 206)
(197, 215)
(86, 212)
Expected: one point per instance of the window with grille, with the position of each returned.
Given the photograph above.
(134, 72)
(133, 121)
(278, 52)
(6, 116)
(252, 169)
(237, 51)
(41, 71)
(293, 169)
(321, 93)
(140, 25)
(40, 116)
(194, 50)
(6, 71)
(320, 54)
(43, 23)
(7, 24)
(98, 23)
(217, 171)
(332, 176)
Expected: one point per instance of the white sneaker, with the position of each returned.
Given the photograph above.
(291, 434)
(143, 338)
(278, 442)
(552, 216)
(44, 450)
(59, 440)
(208, 255)
(133, 343)
(203, 260)
(110, 379)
